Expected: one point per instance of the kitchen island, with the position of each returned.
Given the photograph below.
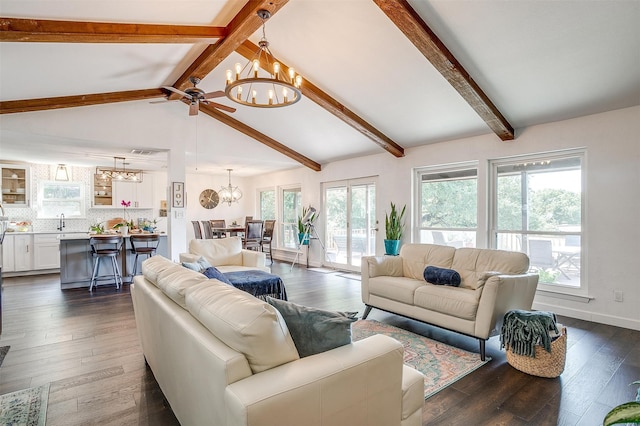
(76, 261)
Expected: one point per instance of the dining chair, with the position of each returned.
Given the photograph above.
(267, 236)
(206, 228)
(252, 234)
(197, 231)
(541, 254)
(219, 223)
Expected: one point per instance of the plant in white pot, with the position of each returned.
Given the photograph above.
(394, 227)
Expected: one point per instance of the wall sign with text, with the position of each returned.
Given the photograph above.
(177, 194)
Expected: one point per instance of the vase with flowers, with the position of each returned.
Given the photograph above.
(127, 224)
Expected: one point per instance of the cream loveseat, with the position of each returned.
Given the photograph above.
(226, 254)
(493, 282)
(223, 357)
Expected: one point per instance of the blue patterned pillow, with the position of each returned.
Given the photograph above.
(314, 330)
(213, 272)
(442, 276)
(198, 266)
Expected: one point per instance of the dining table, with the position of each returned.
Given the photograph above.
(231, 230)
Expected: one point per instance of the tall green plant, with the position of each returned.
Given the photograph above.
(394, 223)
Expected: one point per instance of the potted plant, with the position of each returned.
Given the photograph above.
(394, 227)
(303, 228)
(629, 412)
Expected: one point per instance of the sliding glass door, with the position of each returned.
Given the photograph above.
(350, 222)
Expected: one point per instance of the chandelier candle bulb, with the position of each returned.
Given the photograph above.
(276, 69)
(228, 76)
(238, 70)
(298, 81)
(239, 93)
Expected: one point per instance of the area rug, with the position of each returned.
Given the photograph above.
(440, 363)
(25, 407)
(3, 353)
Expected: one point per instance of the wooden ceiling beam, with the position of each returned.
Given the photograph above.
(248, 49)
(260, 137)
(419, 33)
(50, 31)
(42, 104)
(243, 25)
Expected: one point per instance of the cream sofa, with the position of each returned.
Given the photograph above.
(492, 283)
(226, 254)
(223, 357)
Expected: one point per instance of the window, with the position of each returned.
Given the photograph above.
(267, 204)
(291, 209)
(447, 199)
(55, 198)
(538, 210)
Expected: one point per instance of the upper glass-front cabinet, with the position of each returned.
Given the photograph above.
(15, 185)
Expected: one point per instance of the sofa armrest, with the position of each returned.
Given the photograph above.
(359, 383)
(254, 258)
(502, 293)
(374, 266)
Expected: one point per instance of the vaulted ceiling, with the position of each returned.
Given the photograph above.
(77, 78)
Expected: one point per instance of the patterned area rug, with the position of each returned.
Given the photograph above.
(3, 353)
(441, 364)
(25, 407)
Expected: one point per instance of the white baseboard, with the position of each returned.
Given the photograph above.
(589, 316)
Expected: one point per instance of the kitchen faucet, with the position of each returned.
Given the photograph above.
(61, 222)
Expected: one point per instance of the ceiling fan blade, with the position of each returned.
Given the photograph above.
(222, 107)
(193, 108)
(163, 101)
(180, 92)
(216, 94)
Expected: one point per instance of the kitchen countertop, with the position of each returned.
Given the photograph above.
(68, 235)
(86, 236)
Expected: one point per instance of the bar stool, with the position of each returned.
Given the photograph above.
(143, 244)
(106, 248)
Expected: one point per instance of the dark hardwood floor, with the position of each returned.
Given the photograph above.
(86, 346)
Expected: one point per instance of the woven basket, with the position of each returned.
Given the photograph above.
(544, 364)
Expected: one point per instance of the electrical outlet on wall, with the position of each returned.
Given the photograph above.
(618, 295)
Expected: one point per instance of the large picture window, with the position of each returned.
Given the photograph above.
(448, 205)
(538, 210)
(267, 204)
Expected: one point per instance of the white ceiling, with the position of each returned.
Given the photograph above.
(538, 61)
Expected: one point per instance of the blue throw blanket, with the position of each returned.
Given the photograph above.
(258, 283)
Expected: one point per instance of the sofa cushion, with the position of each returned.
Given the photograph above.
(244, 323)
(401, 289)
(455, 301)
(441, 276)
(315, 330)
(415, 257)
(472, 264)
(219, 251)
(152, 266)
(388, 265)
(174, 281)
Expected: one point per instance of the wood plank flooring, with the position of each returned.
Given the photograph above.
(86, 346)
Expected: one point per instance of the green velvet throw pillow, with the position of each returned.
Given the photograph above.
(314, 330)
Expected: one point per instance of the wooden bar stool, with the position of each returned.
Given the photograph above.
(106, 248)
(143, 244)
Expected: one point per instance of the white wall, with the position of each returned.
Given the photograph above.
(611, 235)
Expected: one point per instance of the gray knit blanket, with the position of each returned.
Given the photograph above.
(523, 330)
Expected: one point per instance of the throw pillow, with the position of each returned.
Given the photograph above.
(442, 276)
(213, 272)
(314, 330)
(199, 265)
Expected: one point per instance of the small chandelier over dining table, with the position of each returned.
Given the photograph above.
(269, 87)
(229, 194)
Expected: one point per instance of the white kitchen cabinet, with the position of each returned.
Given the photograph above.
(46, 251)
(17, 253)
(139, 193)
(14, 181)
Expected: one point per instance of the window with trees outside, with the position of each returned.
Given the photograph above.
(291, 209)
(448, 201)
(538, 210)
(267, 204)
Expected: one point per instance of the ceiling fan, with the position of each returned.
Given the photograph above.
(195, 96)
